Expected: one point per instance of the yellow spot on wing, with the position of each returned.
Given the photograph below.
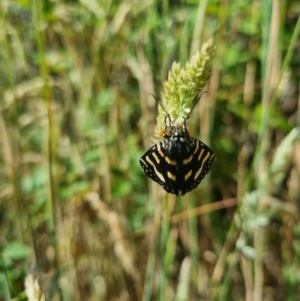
(156, 158)
(188, 160)
(171, 176)
(169, 161)
(154, 167)
(203, 162)
(201, 153)
(159, 150)
(188, 175)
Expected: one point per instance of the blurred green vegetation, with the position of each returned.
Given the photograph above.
(79, 220)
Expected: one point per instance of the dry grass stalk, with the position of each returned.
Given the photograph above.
(123, 247)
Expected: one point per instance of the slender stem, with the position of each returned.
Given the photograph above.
(38, 19)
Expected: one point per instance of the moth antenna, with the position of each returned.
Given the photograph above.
(158, 102)
(195, 101)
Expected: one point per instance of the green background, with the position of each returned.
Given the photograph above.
(76, 210)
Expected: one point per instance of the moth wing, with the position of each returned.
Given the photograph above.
(196, 165)
(158, 167)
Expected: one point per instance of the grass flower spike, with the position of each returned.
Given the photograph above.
(183, 86)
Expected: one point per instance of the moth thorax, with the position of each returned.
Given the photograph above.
(178, 143)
